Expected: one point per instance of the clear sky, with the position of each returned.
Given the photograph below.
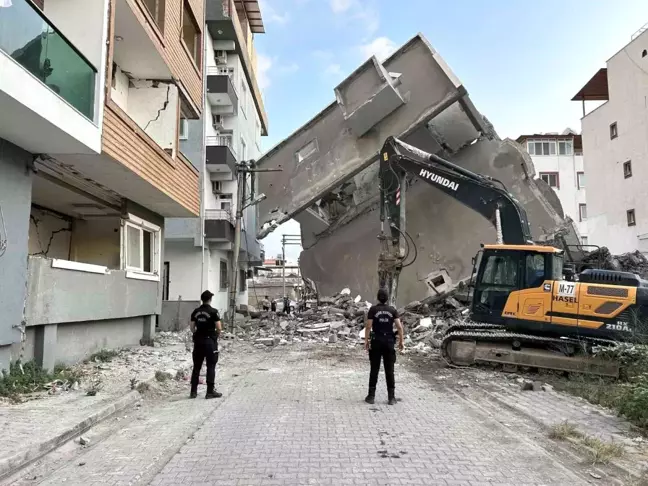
(520, 61)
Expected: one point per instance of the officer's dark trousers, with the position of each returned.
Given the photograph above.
(205, 349)
(382, 348)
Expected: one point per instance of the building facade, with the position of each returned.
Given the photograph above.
(558, 160)
(615, 141)
(91, 97)
(199, 251)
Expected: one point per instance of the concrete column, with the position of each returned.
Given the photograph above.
(149, 330)
(45, 346)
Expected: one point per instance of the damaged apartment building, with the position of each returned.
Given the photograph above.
(91, 97)
(329, 182)
(199, 251)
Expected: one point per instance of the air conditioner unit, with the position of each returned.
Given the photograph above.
(221, 56)
(217, 187)
(217, 121)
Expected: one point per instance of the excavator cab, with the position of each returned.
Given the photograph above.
(512, 276)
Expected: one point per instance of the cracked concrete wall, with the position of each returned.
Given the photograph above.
(49, 234)
(153, 105)
(446, 233)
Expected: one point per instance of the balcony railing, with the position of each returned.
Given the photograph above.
(220, 71)
(221, 141)
(219, 215)
(33, 42)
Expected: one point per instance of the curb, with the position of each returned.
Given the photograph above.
(583, 449)
(35, 451)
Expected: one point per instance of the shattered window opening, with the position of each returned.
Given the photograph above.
(614, 133)
(627, 169)
(307, 150)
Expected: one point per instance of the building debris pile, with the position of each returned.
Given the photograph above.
(342, 318)
(634, 262)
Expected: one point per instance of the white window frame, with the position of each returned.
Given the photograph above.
(580, 184)
(569, 147)
(551, 147)
(183, 132)
(132, 221)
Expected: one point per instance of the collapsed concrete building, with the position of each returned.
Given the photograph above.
(329, 181)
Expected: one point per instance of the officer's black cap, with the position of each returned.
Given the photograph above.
(206, 295)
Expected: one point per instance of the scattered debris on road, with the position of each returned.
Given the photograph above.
(341, 319)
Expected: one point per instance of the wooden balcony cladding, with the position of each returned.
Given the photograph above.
(125, 142)
(170, 46)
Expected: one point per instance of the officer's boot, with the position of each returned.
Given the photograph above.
(194, 391)
(371, 396)
(391, 396)
(211, 393)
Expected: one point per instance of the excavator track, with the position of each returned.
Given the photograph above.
(488, 343)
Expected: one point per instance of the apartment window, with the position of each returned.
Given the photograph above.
(584, 240)
(541, 147)
(224, 282)
(627, 169)
(307, 150)
(156, 8)
(191, 33)
(551, 178)
(184, 129)
(242, 281)
(630, 214)
(565, 147)
(141, 243)
(614, 133)
(217, 187)
(582, 212)
(580, 180)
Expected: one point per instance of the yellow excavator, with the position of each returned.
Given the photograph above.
(528, 308)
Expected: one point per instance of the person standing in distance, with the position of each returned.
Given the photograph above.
(206, 326)
(380, 341)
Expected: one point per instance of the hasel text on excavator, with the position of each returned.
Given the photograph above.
(528, 308)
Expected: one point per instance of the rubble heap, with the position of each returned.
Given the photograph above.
(634, 262)
(342, 317)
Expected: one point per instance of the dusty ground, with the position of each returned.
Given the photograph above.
(293, 414)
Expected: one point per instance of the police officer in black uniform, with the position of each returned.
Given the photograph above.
(380, 341)
(206, 327)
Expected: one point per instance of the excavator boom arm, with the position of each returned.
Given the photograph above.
(480, 193)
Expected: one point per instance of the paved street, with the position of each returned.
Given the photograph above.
(295, 416)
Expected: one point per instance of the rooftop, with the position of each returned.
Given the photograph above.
(596, 89)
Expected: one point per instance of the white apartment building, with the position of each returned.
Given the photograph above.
(615, 138)
(558, 160)
(199, 251)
